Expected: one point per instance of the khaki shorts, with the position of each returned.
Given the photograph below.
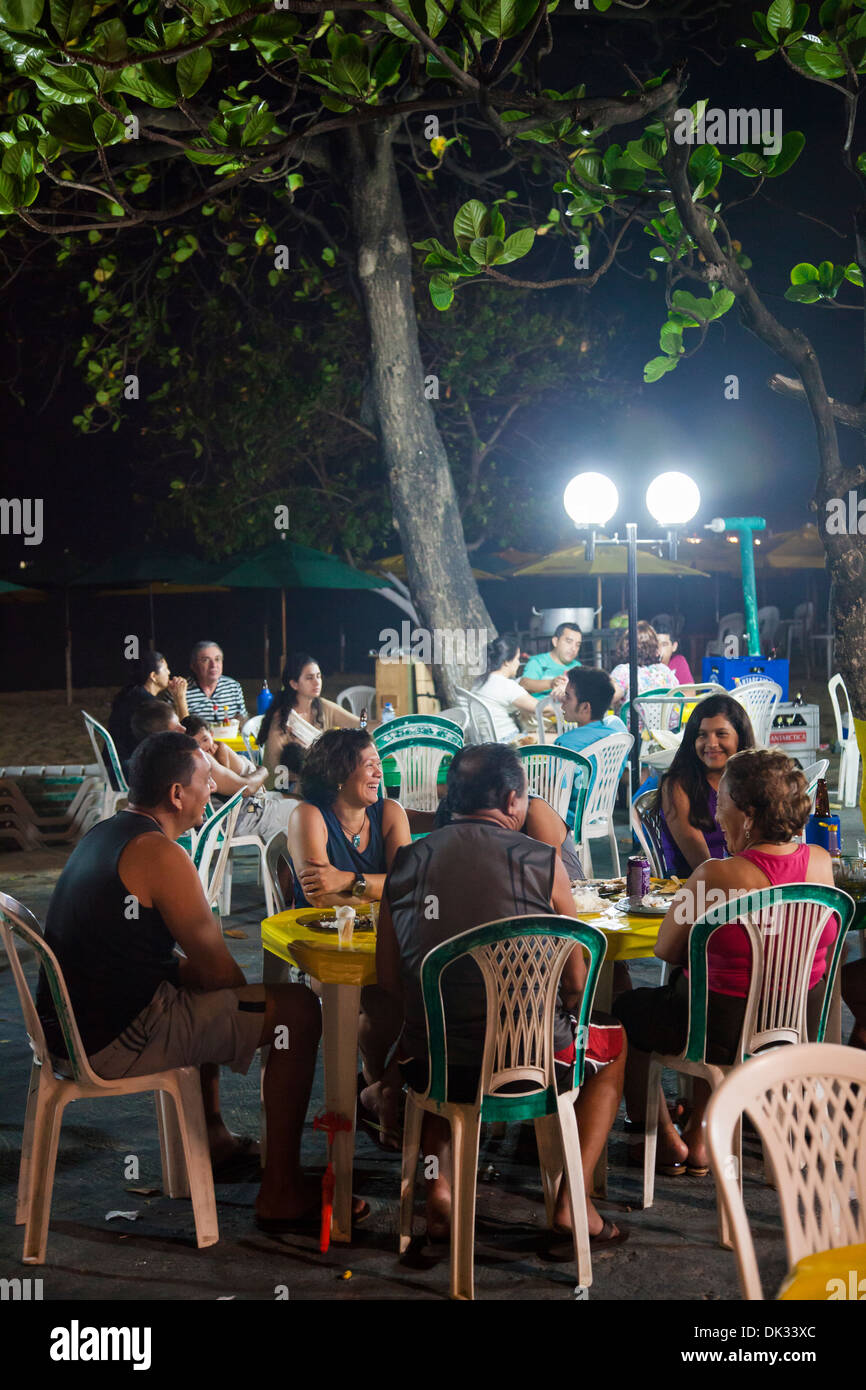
(180, 1028)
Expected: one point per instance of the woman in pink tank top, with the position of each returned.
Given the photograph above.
(762, 807)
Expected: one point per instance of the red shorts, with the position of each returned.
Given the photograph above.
(603, 1044)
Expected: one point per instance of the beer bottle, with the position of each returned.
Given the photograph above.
(363, 720)
(822, 799)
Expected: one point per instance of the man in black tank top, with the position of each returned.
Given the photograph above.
(480, 868)
(126, 898)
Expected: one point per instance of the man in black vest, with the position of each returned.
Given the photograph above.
(126, 898)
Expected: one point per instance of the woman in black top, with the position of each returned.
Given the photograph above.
(151, 680)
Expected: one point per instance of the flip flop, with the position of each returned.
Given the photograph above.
(562, 1251)
(665, 1170)
(309, 1224)
(695, 1171)
(240, 1164)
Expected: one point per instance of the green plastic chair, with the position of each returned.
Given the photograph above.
(418, 743)
(115, 786)
(521, 960)
(784, 924)
(186, 1165)
(215, 837)
(561, 777)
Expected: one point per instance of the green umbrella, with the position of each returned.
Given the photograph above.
(286, 565)
(145, 565)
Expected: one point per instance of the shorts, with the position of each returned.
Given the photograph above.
(182, 1028)
(657, 1020)
(604, 1045)
(265, 815)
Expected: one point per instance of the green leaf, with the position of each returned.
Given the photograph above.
(789, 151)
(259, 124)
(854, 274)
(386, 69)
(329, 256)
(804, 294)
(486, 250)
(705, 167)
(471, 222)
(107, 129)
(688, 304)
(69, 17)
(21, 14)
(519, 244)
(671, 339)
(71, 126)
(235, 248)
(193, 70)
(803, 273)
(657, 366)
(780, 17)
(10, 192)
(70, 86)
(442, 291)
(720, 303)
(825, 62)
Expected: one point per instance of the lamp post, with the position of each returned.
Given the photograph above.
(591, 499)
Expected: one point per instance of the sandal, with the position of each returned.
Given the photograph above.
(665, 1170)
(562, 1251)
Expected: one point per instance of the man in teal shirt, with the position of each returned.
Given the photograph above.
(588, 696)
(546, 673)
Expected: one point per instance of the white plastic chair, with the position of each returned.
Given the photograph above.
(481, 727)
(731, 623)
(250, 729)
(457, 716)
(760, 700)
(521, 960)
(215, 837)
(808, 1104)
(813, 774)
(768, 626)
(784, 924)
(115, 788)
(186, 1165)
(608, 754)
(551, 774)
(647, 830)
(356, 698)
(849, 764)
(799, 628)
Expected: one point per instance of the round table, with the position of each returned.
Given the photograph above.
(828, 1276)
(290, 938)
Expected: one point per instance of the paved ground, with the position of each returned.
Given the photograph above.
(672, 1253)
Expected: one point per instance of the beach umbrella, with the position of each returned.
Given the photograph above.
(796, 550)
(287, 565)
(396, 565)
(609, 560)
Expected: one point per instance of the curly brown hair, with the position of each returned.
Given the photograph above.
(766, 784)
(330, 761)
(647, 646)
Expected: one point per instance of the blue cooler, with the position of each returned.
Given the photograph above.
(730, 671)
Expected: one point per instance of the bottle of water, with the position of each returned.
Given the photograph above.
(265, 699)
(388, 713)
(362, 724)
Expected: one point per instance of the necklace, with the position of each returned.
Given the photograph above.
(355, 838)
(133, 812)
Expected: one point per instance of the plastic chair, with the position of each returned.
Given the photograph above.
(418, 743)
(250, 729)
(799, 628)
(768, 626)
(554, 773)
(481, 727)
(849, 764)
(760, 700)
(784, 924)
(608, 754)
(646, 826)
(521, 960)
(356, 698)
(813, 774)
(456, 716)
(114, 785)
(215, 837)
(186, 1165)
(808, 1104)
(731, 623)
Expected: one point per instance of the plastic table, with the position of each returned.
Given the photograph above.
(290, 938)
(828, 1276)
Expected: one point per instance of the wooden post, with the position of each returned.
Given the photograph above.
(284, 655)
(68, 649)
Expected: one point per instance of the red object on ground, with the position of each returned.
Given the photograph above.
(332, 1124)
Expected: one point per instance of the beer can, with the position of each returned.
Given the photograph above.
(637, 876)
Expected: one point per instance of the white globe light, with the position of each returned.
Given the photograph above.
(590, 499)
(673, 498)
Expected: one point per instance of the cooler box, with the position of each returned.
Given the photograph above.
(734, 670)
(797, 731)
(408, 685)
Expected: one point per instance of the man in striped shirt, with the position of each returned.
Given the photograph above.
(210, 694)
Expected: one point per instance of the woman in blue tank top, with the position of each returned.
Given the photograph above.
(342, 837)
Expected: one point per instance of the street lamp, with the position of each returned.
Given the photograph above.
(591, 499)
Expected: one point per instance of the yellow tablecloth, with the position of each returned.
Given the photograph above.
(236, 744)
(294, 937)
(830, 1276)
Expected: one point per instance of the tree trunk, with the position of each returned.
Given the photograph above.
(422, 489)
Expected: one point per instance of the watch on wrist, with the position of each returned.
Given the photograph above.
(359, 887)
